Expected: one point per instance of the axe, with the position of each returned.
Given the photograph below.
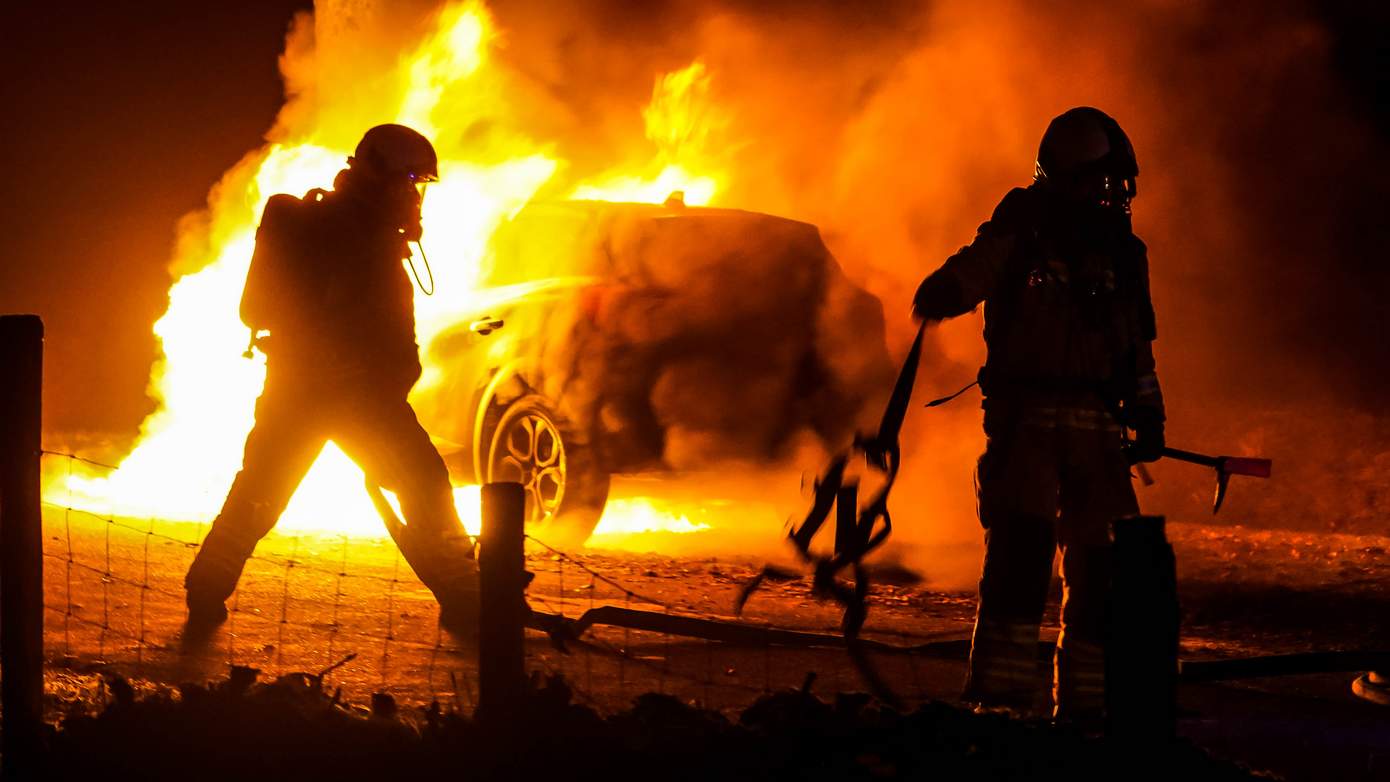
(1225, 467)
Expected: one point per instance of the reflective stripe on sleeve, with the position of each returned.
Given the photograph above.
(1147, 386)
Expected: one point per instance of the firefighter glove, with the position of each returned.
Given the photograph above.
(936, 298)
(1147, 445)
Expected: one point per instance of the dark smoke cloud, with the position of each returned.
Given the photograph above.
(896, 128)
(118, 118)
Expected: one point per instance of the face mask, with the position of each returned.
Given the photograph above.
(1086, 224)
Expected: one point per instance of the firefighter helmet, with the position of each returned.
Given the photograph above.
(1085, 155)
(394, 150)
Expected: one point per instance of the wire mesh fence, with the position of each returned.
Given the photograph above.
(114, 601)
(347, 610)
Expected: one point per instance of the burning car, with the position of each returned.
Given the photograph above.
(616, 338)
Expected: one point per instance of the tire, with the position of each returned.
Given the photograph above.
(566, 487)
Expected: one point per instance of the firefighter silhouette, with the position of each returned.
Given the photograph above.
(328, 284)
(1069, 327)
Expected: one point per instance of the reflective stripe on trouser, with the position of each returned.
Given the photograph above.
(1050, 473)
(1076, 418)
(1078, 688)
(1004, 669)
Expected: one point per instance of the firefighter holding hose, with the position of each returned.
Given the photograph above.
(1069, 327)
(328, 290)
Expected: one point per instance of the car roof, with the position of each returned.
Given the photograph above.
(566, 238)
(632, 210)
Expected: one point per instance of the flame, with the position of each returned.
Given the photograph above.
(190, 448)
(694, 191)
(636, 515)
(684, 125)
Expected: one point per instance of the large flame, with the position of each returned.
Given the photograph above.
(191, 447)
(682, 122)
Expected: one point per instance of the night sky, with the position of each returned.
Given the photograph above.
(119, 121)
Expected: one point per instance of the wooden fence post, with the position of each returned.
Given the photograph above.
(1141, 655)
(21, 543)
(502, 610)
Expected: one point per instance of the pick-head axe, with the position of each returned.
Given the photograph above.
(1225, 467)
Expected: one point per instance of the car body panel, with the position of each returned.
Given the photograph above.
(615, 313)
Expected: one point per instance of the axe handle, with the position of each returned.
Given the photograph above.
(1234, 465)
(1193, 458)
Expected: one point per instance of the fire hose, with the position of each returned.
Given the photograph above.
(858, 529)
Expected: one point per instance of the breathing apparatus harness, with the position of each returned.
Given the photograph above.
(317, 195)
(426, 260)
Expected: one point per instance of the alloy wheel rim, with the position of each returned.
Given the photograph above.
(533, 454)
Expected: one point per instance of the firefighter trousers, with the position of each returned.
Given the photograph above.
(376, 427)
(1052, 474)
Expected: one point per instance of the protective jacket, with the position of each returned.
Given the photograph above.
(326, 280)
(1066, 310)
(1069, 326)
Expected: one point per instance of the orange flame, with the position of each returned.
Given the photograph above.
(681, 121)
(190, 448)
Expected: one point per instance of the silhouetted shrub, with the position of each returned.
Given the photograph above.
(292, 729)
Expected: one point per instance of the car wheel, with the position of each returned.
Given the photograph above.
(566, 488)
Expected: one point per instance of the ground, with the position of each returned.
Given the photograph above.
(307, 603)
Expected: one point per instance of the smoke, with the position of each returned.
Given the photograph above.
(896, 127)
(669, 340)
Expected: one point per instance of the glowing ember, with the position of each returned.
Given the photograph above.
(191, 447)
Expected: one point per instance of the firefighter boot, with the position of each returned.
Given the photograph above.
(1078, 691)
(1004, 668)
(214, 574)
(458, 595)
(445, 563)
